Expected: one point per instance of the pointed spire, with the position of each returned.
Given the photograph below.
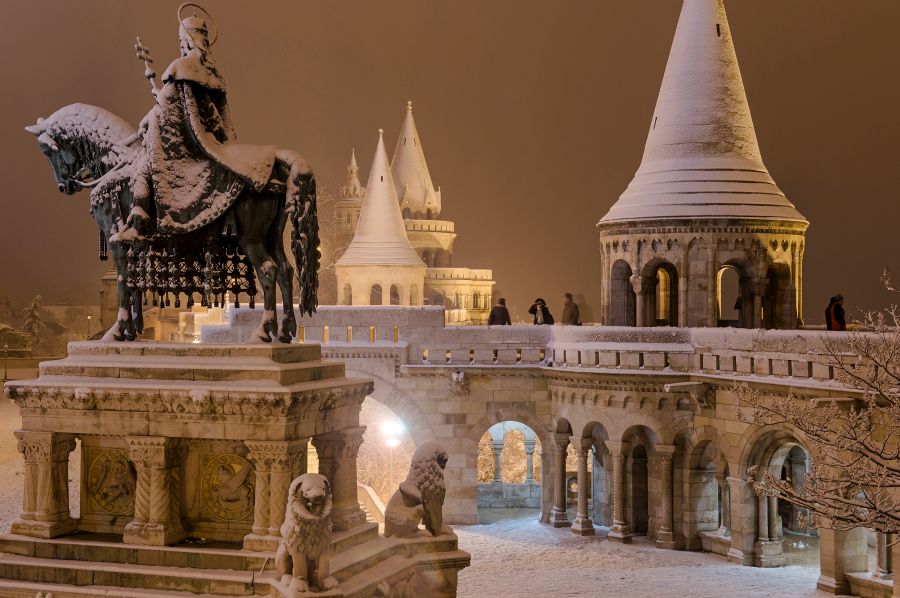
(380, 237)
(352, 189)
(414, 186)
(702, 157)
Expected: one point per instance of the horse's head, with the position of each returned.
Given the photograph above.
(82, 142)
(64, 161)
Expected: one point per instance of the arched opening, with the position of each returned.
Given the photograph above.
(622, 299)
(476, 301)
(737, 304)
(347, 295)
(509, 475)
(395, 294)
(659, 290)
(429, 215)
(779, 303)
(375, 295)
(706, 506)
(407, 213)
(639, 507)
(600, 467)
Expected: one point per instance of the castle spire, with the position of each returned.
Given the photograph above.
(380, 237)
(353, 187)
(414, 185)
(702, 157)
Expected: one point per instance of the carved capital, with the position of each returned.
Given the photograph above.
(617, 450)
(275, 455)
(342, 444)
(561, 441)
(153, 452)
(44, 447)
(585, 445)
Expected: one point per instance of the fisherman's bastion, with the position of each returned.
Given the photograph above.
(634, 422)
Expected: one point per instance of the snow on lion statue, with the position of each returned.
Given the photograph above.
(303, 556)
(420, 496)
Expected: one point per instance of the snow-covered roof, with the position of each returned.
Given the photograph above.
(353, 187)
(413, 182)
(380, 237)
(702, 157)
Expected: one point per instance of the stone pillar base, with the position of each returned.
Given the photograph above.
(347, 518)
(583, 526)
(44, 529)
(619, 533)
(666, 540)
(832, 586)
(559, 518)
(736, 555)
(153, 534)
(767, 554)
(261, 543)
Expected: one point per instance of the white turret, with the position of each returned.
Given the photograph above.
(413, 182)
(353, 187)
(702, 158)
(380, 254)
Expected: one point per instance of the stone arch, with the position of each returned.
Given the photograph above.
(779, 303)
(500, 490)
(396, 294)
(375, 294)
(387, 393)
(746, 289)
(641, 441)
(659, 291)
(622, 298)
(347, 294)
(601, 483)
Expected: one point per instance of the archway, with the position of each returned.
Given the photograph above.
(779, 303)
(729, 302)
(659, 290)
(509, 477)
(707, 498)
(622, 298)
(375, 295)
(395, 294)
(601, 478)
(639, 488)
(347, 295)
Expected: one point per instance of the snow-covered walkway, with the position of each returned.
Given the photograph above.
(520, 557)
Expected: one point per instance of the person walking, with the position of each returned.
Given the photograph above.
(499, 314)
(540, 312)
(570, 312)
(834, 314)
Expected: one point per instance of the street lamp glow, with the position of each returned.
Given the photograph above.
(393, 428)
(393, 442)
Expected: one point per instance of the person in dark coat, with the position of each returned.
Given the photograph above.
(834, 314)
(540, 312)
(570, 312)
(499, 314)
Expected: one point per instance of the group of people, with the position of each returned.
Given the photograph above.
(539, 311)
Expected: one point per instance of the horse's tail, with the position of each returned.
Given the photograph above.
(301, 207)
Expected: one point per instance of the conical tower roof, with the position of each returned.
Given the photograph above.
(353, 187)
(702, 157)
(380, 238)
(414, 185)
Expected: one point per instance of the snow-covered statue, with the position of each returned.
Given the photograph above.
(185, 208)
(302, 559)
(420, 497)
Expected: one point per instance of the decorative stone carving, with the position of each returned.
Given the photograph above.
(337, 461)
(420, 496)
(45, 503)
(112, 482)
(227, 487)
(157, 508)
(304, 553)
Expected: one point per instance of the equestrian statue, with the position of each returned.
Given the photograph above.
(182, 207)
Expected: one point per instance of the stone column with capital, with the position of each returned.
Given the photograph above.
(884, 565)
(665, 454)
(45, 501)
(157, 517)
(583, 526)
(275, 464)
(558, 516)
(497, 447)
(725, 512)
(619, 531)
(337, 462)
(767, 550)
(529, 461)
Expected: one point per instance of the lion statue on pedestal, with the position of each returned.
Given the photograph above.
(303, 556)
(420, 496)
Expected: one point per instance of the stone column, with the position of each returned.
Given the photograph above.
(529, 461)
(558, 516)
(774, 519)
(275, 463)
(665, 454)
(725, 524)
(682, 295)
(498, 467)
(742, 502)
(337, 462)
(712, 286)
(45, 501)
(583, 525)
(619, 531)
(157, 510)
(841, 552)
(884, 567)
(767, 548)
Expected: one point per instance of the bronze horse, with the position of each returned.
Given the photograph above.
(89, 147)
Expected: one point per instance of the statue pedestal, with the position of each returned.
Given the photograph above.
(185, 446)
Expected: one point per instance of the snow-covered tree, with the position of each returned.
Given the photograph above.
(855, 443)
(33, 319)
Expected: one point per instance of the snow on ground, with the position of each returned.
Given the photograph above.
(519, 557)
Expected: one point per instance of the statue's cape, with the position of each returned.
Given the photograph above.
(197, 167)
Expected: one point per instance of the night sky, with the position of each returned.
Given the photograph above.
(533, 117)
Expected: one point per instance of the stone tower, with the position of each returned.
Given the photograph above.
(380, 267)
(702, 207)
(350, 200)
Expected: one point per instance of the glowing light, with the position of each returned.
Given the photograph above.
(393, 442)
(393, 428)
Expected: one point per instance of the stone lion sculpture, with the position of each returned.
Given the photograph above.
(420, 496)
(303, 556)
